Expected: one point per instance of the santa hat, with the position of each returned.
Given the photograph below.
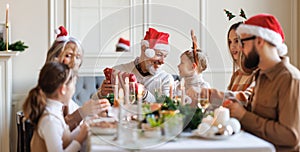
(62, 34)
(155, 40)
(267, 27)
(125, 44)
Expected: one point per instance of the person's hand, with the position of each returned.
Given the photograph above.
(226, 103)
(236, 109)
(216, 97)
(94, 107)
(84, 130)
(241, 97)
(106, 88)
(104, 105)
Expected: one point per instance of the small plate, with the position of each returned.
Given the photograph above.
(103, 131)
(196, 133)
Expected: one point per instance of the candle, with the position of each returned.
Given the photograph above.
(221, 116)
(182, 91)
(126, 91)
(116, 92)
(6, 26)
(171, 91)
(140, 96)
(6, 15)
(120, 116)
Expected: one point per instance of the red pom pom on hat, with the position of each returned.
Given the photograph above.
(62, 34)
(123, 43)
(155, 40)
(267, 27)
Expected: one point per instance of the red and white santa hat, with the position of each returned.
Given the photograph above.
(123, 43)
(62, 34)
(155, 40)
(267, 27)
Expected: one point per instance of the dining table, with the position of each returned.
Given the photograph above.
(185, 142)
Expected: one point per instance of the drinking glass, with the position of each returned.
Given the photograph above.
(173, 125)
(132, 95)
(203, 99)
(157, 89)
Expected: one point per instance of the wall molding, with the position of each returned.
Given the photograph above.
(294, 34)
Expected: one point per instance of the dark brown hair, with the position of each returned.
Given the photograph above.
(51, 77)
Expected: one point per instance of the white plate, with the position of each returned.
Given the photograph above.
(103, 131)
(106, 119)
(213, 137)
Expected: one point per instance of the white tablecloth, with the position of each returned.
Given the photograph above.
(243, 142)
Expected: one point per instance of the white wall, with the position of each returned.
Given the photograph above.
(30, 23)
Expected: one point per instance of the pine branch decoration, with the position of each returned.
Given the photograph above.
(17, 46)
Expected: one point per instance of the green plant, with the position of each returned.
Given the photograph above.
(192, 116)
(17, 46)
(168, 103)
(154, 122)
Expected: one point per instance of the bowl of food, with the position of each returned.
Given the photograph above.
(104, 126)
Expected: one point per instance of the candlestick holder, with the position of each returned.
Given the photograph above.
(7, 37)
(4, 36)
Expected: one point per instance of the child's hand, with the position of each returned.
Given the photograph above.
(84, 130)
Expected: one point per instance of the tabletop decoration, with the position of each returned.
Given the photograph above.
(6, 26)
(126, 88)
(139, 103)
(171, 91)
(192, 117)
(220, 126)
(120, 132)
(116, 91)
(182, 87)
(152, 129)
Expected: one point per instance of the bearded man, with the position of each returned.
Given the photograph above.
(273, 112)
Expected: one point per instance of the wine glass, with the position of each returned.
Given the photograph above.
(132, 96)
(203, 99)
(157, 89)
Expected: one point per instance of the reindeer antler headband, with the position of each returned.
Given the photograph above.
(231, 16)
(195, 46)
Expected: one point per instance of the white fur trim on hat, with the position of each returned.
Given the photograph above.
(57, 31)
(159, 46)
(150, 53)
(164, 47)
(145, 42)
(267, 34)
(62, 38)
(124, 46)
